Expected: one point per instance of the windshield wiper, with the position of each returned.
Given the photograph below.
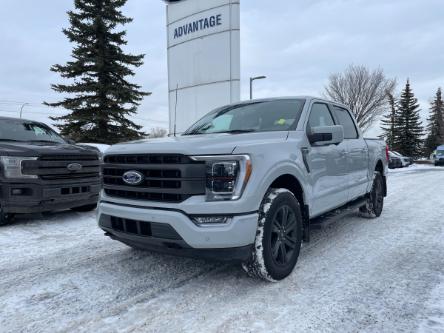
(11, 140)
(197, 131)
(237, 131)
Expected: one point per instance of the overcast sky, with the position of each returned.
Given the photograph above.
(297, 44)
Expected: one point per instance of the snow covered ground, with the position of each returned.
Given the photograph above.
(59, 273)
(414, 168)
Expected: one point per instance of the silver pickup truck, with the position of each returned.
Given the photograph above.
(244, 183)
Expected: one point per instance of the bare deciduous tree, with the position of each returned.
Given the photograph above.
(364, 91)
(158, 132)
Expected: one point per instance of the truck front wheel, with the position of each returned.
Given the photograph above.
(4, 218)
(278, 238)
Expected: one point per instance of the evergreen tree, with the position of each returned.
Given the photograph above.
(435, 127)
(408, 124)
(388, 123)
(100, 98)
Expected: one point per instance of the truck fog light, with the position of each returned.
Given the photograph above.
(17, 191)
(210, 220)
(21, 191)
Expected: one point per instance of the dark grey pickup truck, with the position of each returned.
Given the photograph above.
(40, 171)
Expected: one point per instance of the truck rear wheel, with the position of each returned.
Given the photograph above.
(375, 203)
(278, 238)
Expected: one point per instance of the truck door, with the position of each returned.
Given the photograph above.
(327, 164)
(357, 157)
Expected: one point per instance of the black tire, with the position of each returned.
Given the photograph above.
(375, 203)
(5, 218)
(86, 208)
(278, 238)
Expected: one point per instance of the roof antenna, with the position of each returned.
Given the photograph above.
(175, 112)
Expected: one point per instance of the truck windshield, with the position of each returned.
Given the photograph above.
(440, 152)
(257, 116)
(27, 131)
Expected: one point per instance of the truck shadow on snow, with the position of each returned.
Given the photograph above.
(122, 264)
(138, 262)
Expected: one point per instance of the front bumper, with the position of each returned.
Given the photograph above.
(39, 197)
(240, 232)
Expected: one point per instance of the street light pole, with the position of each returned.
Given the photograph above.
(251, 83)
(21, 109)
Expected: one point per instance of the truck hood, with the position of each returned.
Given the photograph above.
(214, 144)
(37, 149)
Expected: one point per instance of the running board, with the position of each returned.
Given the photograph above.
(333, 216)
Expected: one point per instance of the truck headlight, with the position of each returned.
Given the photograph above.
(12, 166)
(226, 175)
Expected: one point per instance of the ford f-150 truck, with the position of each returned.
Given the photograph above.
(40, 171)
(246, 183)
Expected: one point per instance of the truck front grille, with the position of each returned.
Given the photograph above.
(69, 158)
(166, 178)
(57, 167)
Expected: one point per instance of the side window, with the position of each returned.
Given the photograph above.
(344, 118)
(320, 116)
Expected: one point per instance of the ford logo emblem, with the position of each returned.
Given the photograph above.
(74, 167)
(133, 177)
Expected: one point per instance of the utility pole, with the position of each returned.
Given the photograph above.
(21, 109)
(251, 83)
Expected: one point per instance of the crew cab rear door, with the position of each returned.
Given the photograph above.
(357, 157)
(327, 165)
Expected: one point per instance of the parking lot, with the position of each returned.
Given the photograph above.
(59, 273)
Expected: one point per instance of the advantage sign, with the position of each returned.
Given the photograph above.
(202, 24)
(203, 58)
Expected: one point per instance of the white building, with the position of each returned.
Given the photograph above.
(203, 58)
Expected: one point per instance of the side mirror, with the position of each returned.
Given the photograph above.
(326, 135)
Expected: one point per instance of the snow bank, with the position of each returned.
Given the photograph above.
(414, 168)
